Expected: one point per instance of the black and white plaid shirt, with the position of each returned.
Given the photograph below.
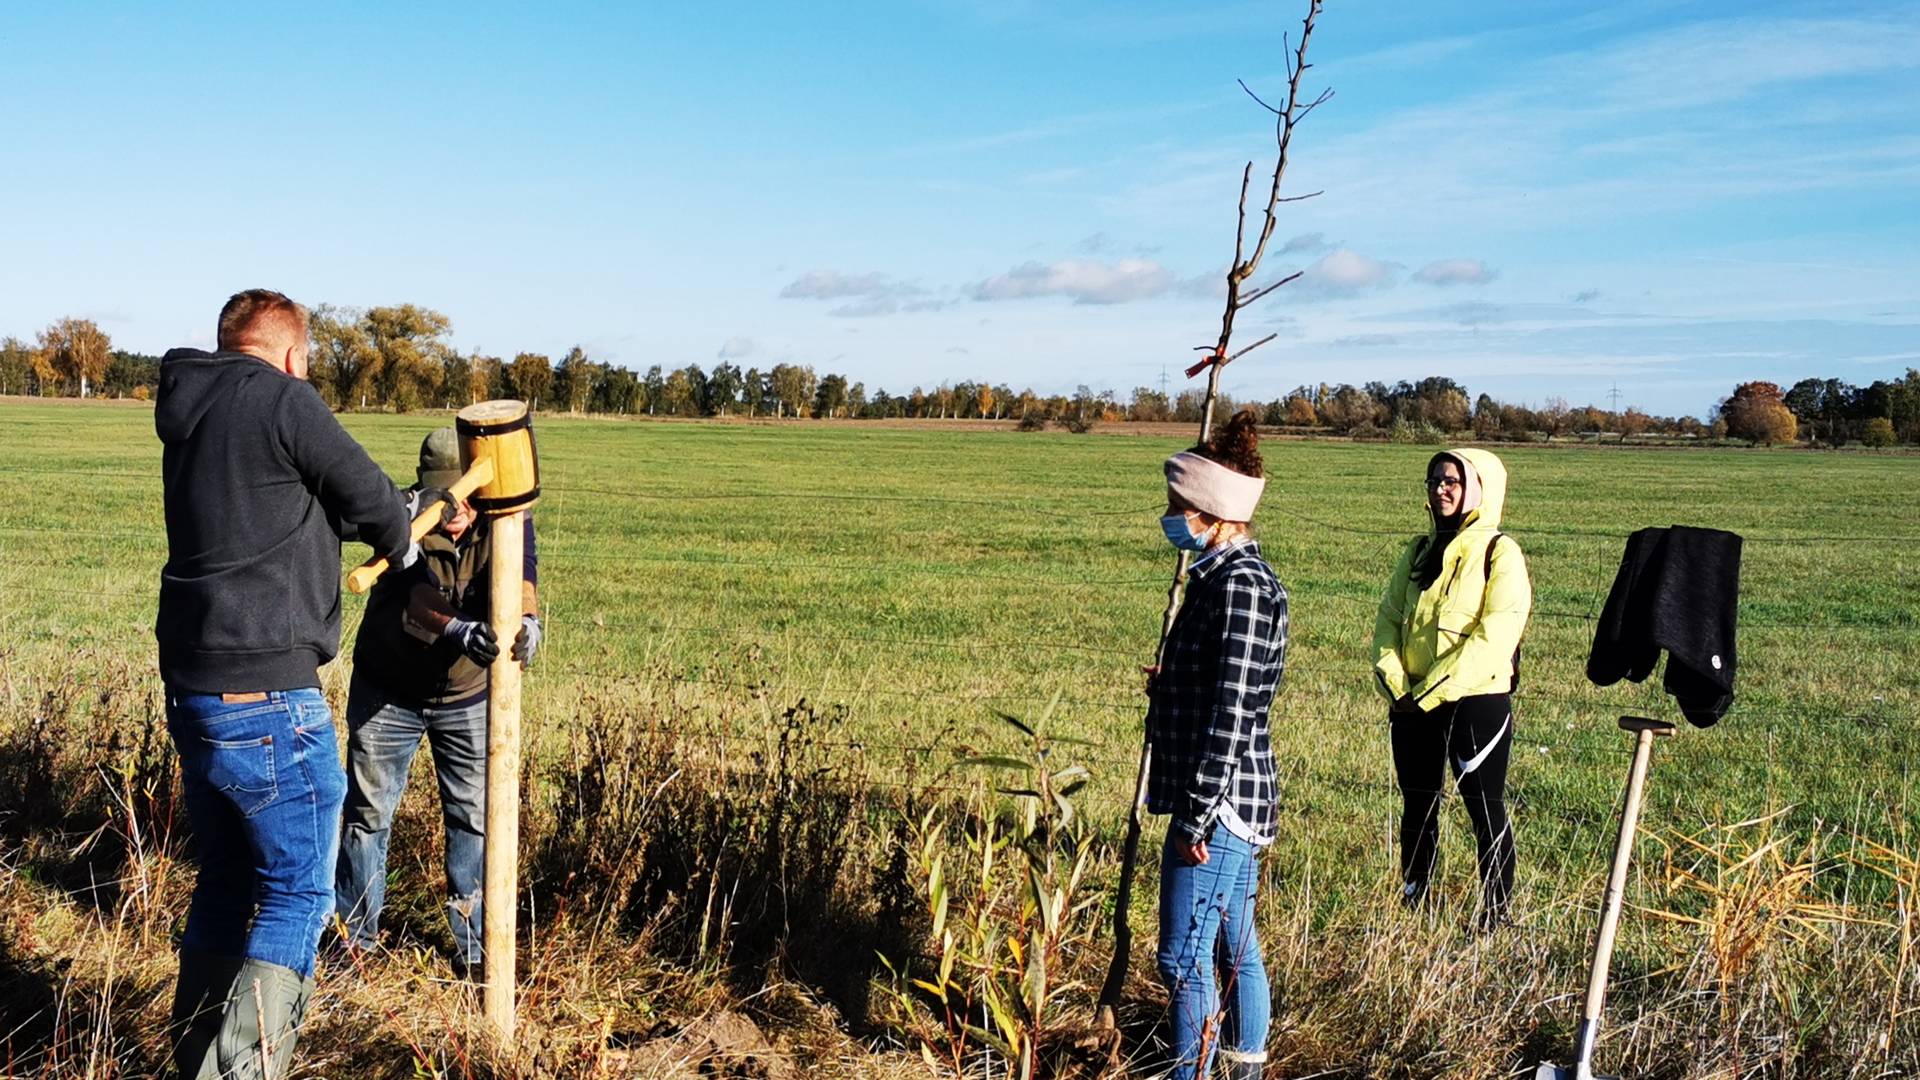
(1207, 717)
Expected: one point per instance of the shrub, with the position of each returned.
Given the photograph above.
(1878, 432)
(1032, 420)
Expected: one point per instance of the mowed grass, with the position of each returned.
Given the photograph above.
(912, 582)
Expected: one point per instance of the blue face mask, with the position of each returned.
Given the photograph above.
(1180, 533)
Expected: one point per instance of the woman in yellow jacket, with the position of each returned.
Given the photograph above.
(1446, 657)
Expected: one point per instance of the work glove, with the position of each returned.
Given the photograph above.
(476, 640)
(527, 640)
(418, 499)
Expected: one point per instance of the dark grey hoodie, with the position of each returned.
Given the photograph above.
(261, 485)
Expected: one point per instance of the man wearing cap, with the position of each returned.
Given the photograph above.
(420, 670)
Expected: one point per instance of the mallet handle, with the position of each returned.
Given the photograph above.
(362, 577)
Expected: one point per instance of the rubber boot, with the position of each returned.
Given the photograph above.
(261, 1024)
(199, 1000)
(1240, 1066)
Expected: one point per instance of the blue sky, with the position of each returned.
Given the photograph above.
(1539, 198)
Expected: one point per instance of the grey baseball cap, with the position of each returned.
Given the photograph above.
(439, 459)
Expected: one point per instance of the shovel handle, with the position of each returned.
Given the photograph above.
(1644, 733)
(362, 577)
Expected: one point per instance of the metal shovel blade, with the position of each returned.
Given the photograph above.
(1549, 1071)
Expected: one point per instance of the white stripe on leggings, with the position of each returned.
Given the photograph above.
(1481, 757)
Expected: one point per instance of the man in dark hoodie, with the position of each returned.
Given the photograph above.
(261, 485)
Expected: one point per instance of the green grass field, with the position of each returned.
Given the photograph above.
(909, 582)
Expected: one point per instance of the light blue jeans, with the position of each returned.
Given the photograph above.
(382, 737)
(1207, 933)
(262, 783)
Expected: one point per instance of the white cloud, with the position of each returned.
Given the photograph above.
(735, 347)
(1445, 272)
(1345, 272)
(1305, 244)
(833, 285)
(1086, 281)
(866, 309)
(1361, 341)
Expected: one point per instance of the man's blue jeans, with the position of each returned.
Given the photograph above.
(381, 739)
(1206, 915)
(262, 783)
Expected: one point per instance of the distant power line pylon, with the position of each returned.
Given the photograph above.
(1613, 397)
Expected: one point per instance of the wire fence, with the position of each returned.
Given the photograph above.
(576, 618)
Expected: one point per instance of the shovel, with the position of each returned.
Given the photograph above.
(1645, 732)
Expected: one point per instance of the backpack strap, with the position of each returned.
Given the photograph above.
(1488, 573)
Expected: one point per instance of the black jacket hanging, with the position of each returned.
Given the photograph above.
(1678, 589)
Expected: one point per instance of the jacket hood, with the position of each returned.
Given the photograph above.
(1487, 478)
(192, 382)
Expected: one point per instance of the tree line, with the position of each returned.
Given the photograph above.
(397, 358)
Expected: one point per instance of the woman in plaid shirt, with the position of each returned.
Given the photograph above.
(1212, 764)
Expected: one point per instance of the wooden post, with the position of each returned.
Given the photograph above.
(502, 887)
(502, 432)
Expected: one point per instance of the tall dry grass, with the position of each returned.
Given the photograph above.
(687, 858)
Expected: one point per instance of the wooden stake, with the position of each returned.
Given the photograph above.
(502, 888)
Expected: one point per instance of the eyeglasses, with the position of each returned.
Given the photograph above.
(1441, 483)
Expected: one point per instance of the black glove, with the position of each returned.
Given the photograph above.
(419, 499)
(476, 640)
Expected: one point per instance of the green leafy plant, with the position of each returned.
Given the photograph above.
(1010, 909)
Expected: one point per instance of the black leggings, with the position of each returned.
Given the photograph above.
(1473, 737)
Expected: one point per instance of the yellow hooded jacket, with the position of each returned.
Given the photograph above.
(1457, 638)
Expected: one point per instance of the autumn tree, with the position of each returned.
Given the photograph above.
(456, 379)
(573, 380)
(653, 387)
(484, 378)
(750, 384)
(793, 388)
(343, 364)
(1300, 412)
(1757, 412)
(830, 396)
(1148, 405)
(410, 342)
(529, 377)
(618, 391)
(724, 388)
(76, 351)
(1633, 422)
(16, 366)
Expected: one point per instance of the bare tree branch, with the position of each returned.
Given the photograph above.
(1257, 294)
(1250, 348)
(1256, 97)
